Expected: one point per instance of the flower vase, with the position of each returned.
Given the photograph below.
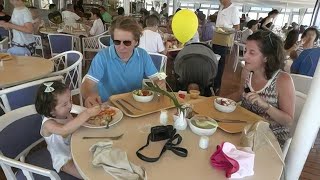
(180, 122)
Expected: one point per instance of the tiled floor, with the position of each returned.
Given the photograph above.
(230, 83)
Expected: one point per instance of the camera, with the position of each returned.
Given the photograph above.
(159, 133)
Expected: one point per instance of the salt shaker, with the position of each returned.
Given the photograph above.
(164, 117)
(204, 142)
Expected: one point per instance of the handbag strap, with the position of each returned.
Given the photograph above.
(170, 145)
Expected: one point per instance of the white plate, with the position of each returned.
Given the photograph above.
(116, 119)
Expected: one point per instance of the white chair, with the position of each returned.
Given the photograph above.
(4, 44)
(240, 47)
(299, 103)
(39, 46)
(15, 147)
(21, 95)
(90, 44)
(160, 61)
(69, 65)
(301, 83)
(60, 43)
(104, 41)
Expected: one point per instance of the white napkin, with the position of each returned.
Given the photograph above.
(115, 162)
(245, 158)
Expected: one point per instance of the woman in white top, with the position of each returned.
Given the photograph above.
(22, 29)
(97, 27)
(54, 103)
(151, 40)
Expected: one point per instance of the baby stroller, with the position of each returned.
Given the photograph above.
(196, 63)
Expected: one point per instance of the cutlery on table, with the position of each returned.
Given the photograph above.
(130, 104)
(230, 120)
(103, 137)
(124, 107)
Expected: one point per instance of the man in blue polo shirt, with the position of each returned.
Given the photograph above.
(119, 68)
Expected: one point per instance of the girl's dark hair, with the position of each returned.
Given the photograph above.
(47, 101)
(271, 46)
(291, 39)
(96, 11)
(311, 29)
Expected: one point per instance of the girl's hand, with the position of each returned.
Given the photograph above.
(93, 111)
(254, 98)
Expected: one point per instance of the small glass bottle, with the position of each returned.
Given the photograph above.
(164, 117)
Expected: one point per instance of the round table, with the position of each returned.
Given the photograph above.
(22, 69)
(170, 166)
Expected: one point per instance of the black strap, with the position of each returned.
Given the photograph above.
(170, 145)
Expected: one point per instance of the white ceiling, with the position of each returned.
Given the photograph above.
(265, 3)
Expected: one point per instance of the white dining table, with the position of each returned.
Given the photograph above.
(267, 165)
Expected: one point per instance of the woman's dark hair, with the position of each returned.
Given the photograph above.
(120, 11)
(271, 46)
(1, 8)
(273, 12)
(291, 39)
(251, 23)
(47, 101)
(311, 29)
(96, 11)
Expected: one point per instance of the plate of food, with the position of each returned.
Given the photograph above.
(110, 113)
(225, 105)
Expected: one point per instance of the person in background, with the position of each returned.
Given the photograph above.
(266, 23)
(228, 17)
(291, 42)
(78, 10)
(164, 10)
(68, 16)
(252, 27)
(107, 18)
(120, 11)
(265, 89)
(97, 27)
(208, 28)
(22, 28)
(154, 12)
(4, 16)
(151, 40)
(121, 67)
(36, 20)
(247, 18)
(144, 14)
(54, 15)
(309, 40)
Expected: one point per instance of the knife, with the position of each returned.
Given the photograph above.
(230, 121)
(124, 107)
(130, 104)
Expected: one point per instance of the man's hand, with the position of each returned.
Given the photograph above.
(92, 101)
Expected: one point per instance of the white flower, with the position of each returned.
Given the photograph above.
(161, 76)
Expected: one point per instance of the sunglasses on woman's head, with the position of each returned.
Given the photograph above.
(126, 43)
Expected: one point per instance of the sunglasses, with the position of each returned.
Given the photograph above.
(126, 43)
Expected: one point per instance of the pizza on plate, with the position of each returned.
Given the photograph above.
(103, 117)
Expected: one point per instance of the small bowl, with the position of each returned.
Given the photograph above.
(202, 131)
(194, 94)
(142, 99)
(228, 105)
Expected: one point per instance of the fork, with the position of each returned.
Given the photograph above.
(108, 121)
(104, 137)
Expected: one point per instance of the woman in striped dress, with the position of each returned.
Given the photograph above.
(265, 89)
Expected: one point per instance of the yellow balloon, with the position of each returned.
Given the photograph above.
(184, 25)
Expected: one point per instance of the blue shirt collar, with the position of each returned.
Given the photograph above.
(114, 55)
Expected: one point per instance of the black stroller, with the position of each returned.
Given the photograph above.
(196, 63)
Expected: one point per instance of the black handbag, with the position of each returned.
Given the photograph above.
(159, 133)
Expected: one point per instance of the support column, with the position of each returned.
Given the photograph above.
(167, 10)
(315, 21)
(175, 6)
(306, 132)
(126, 7)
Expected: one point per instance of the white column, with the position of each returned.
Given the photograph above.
(306, 132)
(168, 2)
(126, 7)
(175, 6)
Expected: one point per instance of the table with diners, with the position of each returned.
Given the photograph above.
(196, 165)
